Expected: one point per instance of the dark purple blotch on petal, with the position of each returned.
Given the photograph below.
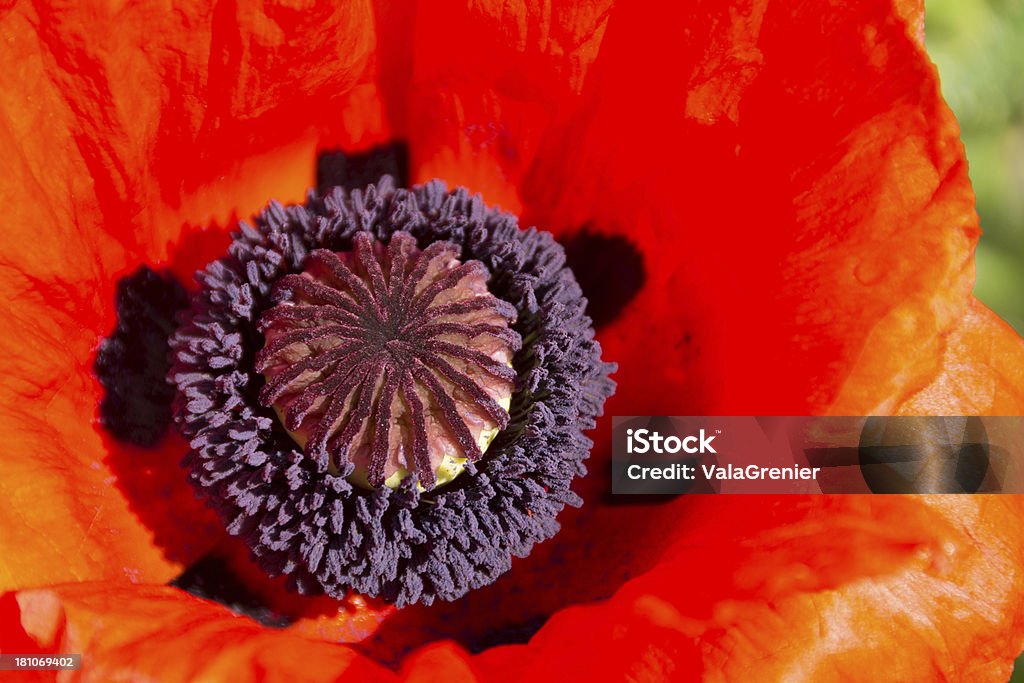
(610, 270)
(131, 364)
(212, 579)
(354, 171)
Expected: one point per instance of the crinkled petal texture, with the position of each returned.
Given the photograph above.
(791, 177)
(131, 632)
(791, 180)
(849, 588)
(145, 113)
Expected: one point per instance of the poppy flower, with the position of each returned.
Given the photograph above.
(776, 192)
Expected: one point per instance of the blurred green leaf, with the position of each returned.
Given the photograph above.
(976, 45)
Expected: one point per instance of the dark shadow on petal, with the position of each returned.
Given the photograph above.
(154, 484)
(228, 575)
(143, 452)
(515, 634)
(197, 247)
(412, 628)
(610, 270)
(357, 170)
(132, 362)
(211, 579)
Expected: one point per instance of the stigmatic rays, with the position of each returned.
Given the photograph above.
(392, 359)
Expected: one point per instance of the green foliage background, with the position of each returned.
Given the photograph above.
(978, 46)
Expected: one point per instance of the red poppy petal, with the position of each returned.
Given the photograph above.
(350, 620)
(159, 633)
(714, 546)
(804, 214)
(822, 589)
(630, 157)
(845, 589)
(487, 79)
(800, 201)
(124, 132)
(982, 370)
(912, 12)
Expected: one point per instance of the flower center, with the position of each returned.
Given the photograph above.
(387, 358)
(389, 361)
